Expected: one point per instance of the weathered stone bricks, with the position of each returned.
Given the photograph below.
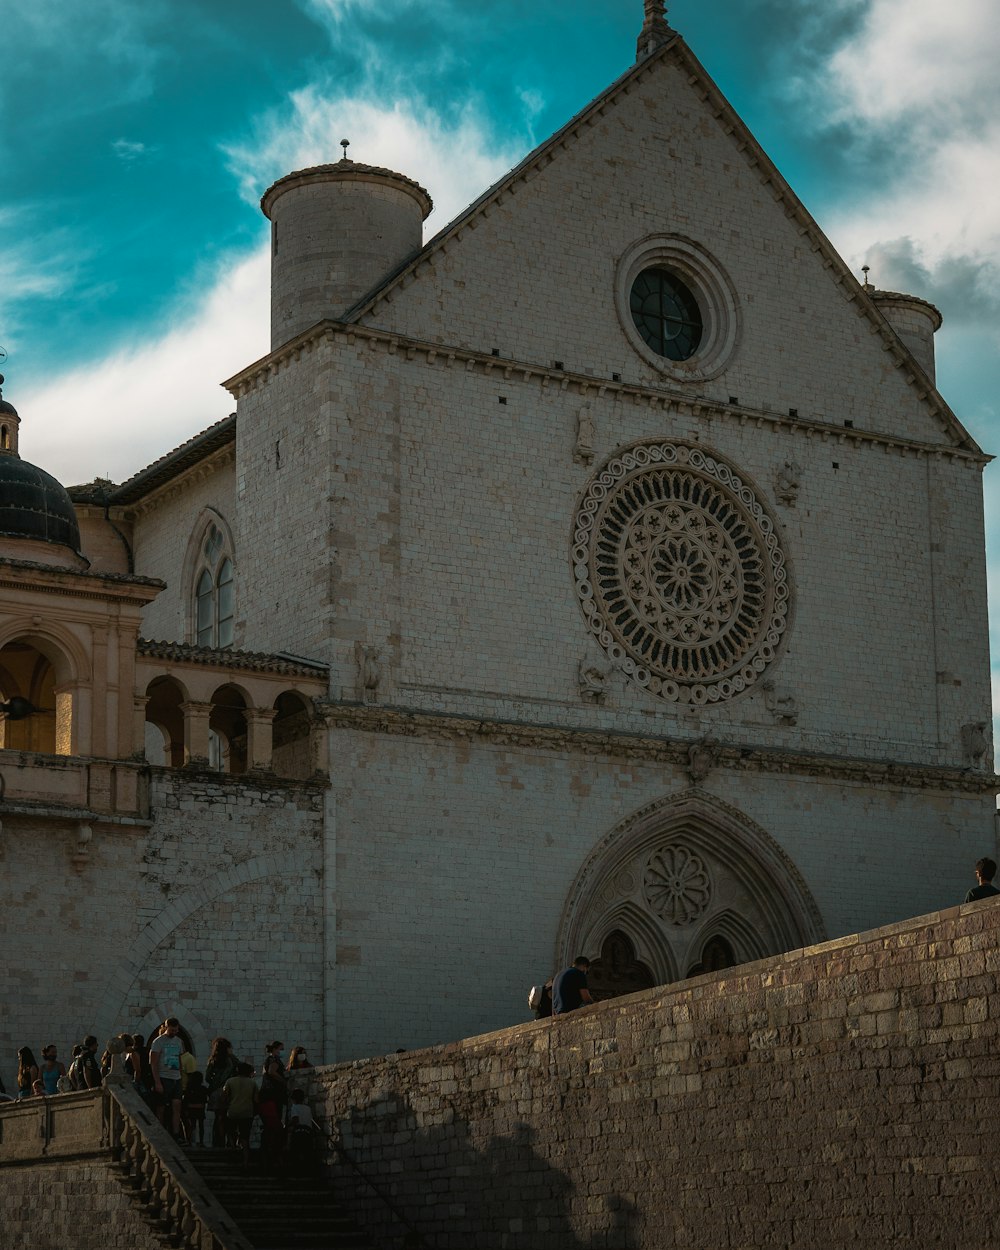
(882, 1130)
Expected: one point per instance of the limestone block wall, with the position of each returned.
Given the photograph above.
(51, 1206)
(166, 534)
(416, 513)
(657, 161)
(212, 913)
(289, 466)
(838, 1097)
(468, 849)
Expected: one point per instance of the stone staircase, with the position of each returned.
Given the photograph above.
(277, 1212)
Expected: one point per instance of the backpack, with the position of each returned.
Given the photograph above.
(78, 1070)
(535, 996)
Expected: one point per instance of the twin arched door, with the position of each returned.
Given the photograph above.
(684, 886)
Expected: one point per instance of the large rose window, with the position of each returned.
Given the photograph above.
(680, 573)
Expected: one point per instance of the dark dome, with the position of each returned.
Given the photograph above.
(34, 505)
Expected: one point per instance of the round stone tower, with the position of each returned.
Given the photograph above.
(336, 232)
(914, 320)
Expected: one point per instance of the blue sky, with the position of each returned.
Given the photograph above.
(136, 139)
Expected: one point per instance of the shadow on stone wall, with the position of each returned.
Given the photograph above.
(505, 1194)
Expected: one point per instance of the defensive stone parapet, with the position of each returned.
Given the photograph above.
(836, 1096)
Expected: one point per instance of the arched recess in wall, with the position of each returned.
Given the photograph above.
(123, 975)
(165, 722)
(684, 879)
(209, 578)
(45, 668)
(227, 730)
(291, 736)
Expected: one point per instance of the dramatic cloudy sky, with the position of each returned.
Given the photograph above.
(136, 139)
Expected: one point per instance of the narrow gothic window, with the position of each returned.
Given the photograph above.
(214, 609)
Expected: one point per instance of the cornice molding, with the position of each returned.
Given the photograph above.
(584, 386)
(441, 727)
(185, 478)
(24, 575)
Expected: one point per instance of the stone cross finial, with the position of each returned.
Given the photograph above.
(655, 31)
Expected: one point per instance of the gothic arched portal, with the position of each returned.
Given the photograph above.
(687, 884)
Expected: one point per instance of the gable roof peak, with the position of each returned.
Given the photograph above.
(655, 31)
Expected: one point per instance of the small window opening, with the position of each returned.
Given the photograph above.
(214, 593)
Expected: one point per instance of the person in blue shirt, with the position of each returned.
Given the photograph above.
(569, 990)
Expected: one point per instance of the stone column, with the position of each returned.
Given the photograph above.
(319, 745)
(139, 703)
(196, 733)
(260, 742)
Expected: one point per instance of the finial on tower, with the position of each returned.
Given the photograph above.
(655, 31)
(866, 270)
(345, 144)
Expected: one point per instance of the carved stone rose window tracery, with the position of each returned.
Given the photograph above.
(677, 885)
(680, 573)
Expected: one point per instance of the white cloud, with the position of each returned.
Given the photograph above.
(454, 159)
(920, 79)
(37, 265)
(921, 64)
(128, 149)
(113, 417)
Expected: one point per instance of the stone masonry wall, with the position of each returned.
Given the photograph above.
(161, 542)
(213, 914)
(69, 1204)
(466, 852)
(836, 1097)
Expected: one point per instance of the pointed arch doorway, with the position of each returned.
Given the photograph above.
(686, 885)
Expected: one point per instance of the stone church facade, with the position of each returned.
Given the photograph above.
(605, 575)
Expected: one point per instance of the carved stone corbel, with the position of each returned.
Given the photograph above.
(586, 436)
(780, 704)
(976, 744)
(703, 756)
(81, 855)
(787, 478)
(369, 671)
(593, 679)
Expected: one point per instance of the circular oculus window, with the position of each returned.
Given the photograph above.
(680, 573)
(666, 314)
(677, 307)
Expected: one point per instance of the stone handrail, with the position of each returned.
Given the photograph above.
(64, 1126)
(168, 1187)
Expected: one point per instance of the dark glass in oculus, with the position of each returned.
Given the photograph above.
(666, 314)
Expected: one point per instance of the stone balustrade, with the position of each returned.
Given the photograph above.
(68, 1163)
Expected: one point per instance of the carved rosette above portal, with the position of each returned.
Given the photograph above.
(677, 885)
(680, 573)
